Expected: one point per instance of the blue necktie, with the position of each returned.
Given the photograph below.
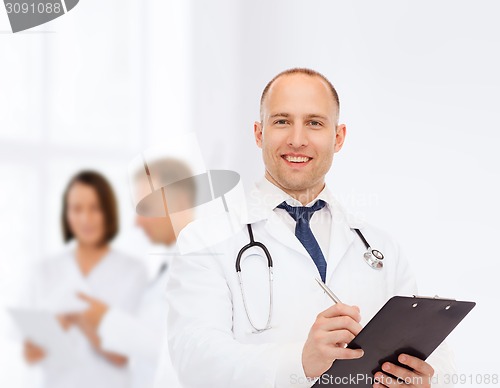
(302, 215)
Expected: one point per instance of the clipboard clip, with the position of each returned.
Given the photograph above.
(433, 297)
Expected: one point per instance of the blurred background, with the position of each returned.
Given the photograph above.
(419, 88)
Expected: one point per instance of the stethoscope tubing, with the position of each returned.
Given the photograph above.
(372, 257)
(251, 244)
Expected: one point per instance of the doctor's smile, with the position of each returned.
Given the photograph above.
(294, 159)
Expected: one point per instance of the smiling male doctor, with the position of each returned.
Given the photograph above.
(309, 235)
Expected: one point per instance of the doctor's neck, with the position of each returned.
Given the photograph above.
(302, 193)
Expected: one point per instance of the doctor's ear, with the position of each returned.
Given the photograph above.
(257, 131)
(339, 137)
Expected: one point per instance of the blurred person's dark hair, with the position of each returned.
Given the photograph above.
(107, 202)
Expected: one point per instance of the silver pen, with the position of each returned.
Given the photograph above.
(328, 291)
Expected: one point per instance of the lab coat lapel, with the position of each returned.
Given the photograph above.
(341, 237)
(277, 229)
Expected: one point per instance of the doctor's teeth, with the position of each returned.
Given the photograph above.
(297, 159)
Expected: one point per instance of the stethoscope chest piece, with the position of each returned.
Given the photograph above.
(374, 258)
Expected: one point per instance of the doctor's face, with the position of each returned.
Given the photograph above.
(299, 134)
(84, 214)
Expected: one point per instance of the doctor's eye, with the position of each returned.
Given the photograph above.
(314, 123)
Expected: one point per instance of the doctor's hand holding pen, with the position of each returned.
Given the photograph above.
(330, 333)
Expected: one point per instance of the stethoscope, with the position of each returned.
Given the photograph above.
(372, 257)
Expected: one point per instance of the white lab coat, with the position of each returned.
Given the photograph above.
(211, 340)
(141, 336)
(117, 280)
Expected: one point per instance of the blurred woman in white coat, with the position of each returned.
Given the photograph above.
(88, 266)
(142, 336)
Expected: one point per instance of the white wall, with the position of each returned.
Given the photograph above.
(419, 89)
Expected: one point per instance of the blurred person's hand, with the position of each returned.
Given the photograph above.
(89, 321)
(65, 320)
(33, 353)
(92, 317)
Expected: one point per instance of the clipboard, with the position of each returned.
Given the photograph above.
(43, 329)
(411, 325)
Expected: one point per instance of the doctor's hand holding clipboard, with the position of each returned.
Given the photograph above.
(330, 334)
(411, 368)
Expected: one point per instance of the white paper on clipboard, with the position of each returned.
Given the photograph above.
(43, 329)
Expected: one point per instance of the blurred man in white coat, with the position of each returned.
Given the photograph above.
(141, 336)
(231, 323)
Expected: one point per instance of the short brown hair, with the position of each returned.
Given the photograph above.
(300, 70)
(107, 201)
(174, 178)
